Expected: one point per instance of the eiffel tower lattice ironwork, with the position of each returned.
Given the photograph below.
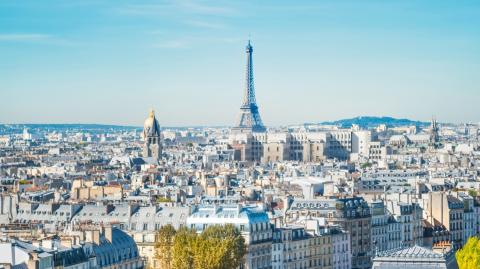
(249, 119)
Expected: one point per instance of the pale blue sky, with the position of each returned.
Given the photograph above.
(98, 61)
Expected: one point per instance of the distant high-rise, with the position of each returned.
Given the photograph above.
(151, 133)
(249, 119)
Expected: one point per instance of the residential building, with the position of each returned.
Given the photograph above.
(252, 222)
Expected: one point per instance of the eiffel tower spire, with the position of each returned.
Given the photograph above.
(249, 119)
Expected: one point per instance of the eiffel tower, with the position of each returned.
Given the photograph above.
(249, 119)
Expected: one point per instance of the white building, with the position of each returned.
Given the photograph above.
(413, 258)
(379, 226)
(251, 221)
(409, 215)
(469, 217)
(342, 255)
(361, 142)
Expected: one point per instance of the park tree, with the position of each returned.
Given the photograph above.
(184, 249)
(468, 257)
(217, 247)
(228, 243)
(164, 246)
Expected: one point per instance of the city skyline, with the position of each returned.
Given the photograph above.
(204, 134)
(94, 62)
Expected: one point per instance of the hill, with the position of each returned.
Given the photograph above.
(369, 121)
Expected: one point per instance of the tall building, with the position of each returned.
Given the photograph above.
(249, 119)
(151, 133)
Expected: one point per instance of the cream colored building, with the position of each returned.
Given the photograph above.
(86, 190)
(300, 146)
(293, 248)
(447, 210)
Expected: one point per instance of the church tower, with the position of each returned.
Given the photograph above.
(151, 133)
(434, 136)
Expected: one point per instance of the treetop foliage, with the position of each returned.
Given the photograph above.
(468, 257)
(217, 247)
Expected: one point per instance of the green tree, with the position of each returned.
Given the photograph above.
(365, 165)
(183, 248)
(220, 247)
(468, 257)
(164, 246)
(473, 193)
(217, 247)
(164, 200)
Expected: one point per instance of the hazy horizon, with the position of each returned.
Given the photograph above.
(95, 62)
(221, 126)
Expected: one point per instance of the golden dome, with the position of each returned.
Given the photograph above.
(149, 120)
(151, 126)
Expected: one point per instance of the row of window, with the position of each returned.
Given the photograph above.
(44, 213)
(133, 226)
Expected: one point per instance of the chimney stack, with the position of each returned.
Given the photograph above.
(96, 237)
(13, 245)
(108, 233)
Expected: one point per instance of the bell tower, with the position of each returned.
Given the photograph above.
(151, 133)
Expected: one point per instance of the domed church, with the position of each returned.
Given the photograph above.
(151, 133)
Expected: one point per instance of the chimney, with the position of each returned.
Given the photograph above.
(96, 237)
(13, 245)
(32, 264)
(33, 261)
(108, 233)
